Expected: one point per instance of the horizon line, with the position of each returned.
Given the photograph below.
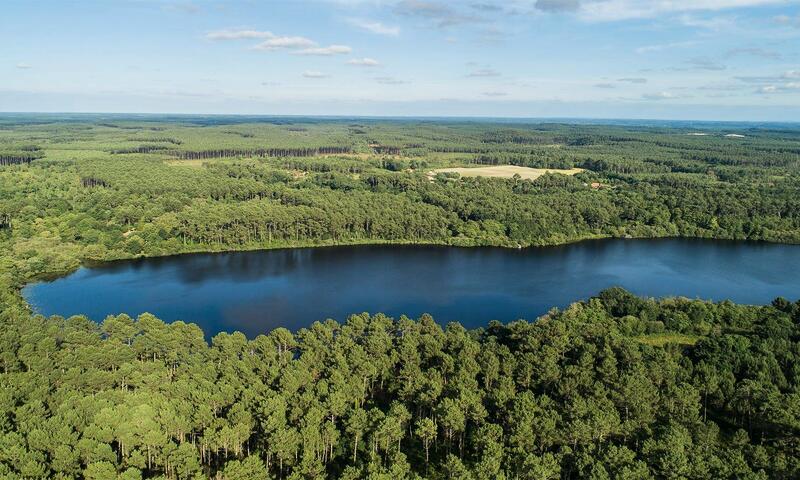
(399, 117)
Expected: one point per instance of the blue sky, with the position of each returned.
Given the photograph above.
(674, 59)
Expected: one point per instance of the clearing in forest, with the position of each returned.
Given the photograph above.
(662, 339)
(197, 163)
(505, 171)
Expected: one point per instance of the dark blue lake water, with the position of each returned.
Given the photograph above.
(254, 292)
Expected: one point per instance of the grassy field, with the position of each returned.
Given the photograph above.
(505, 171)
(661, 339)
(186, 163)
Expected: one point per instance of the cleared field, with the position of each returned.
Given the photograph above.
(661, 339)
(504, 171)
(186, 163)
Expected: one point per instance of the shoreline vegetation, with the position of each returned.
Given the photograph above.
(614, 387)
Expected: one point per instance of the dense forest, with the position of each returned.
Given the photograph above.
(99, 189)
(616, 387)
(613, 387)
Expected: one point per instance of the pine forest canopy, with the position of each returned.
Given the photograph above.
(613, 387)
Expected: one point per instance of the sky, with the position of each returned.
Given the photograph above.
(659, 59)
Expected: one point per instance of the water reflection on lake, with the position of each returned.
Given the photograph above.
(254, 292)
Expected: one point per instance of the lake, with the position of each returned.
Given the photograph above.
(254, 292)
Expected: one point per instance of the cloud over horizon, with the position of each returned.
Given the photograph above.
(618, 10)
(364, 62)
(315, 74)
(271, 42)
(483, 72)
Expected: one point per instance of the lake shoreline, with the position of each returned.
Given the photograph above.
(89, 263)
(263, 289)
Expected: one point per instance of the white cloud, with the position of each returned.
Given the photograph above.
(325, 51)
(315, 74)
(639, 80)
(615, 10)
(24, 66)
(299, 45)
(241, 34)
(787, 20)
(783, 88)
(375, 27)
(281, 43)
(364, 62)
(786, 82)
(658, 96)
(484, 72)
(390, 81)
(494, 94)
